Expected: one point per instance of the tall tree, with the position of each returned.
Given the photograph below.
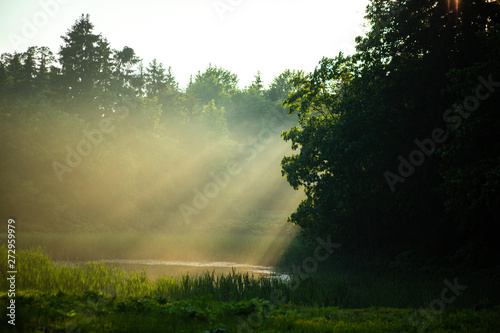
(46, 60)
(155, 79)
(363, 115)
(86, 63)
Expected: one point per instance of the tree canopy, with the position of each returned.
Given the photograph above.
(93, 139)
(390, 154)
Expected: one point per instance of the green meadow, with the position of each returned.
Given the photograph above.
(95, 297)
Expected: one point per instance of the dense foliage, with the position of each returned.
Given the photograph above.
(399, 143)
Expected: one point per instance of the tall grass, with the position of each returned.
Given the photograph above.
(401, 283)
(37, 273)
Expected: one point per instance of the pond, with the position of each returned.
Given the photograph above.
(157, 268)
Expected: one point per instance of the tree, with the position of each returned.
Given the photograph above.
(215, 83)
(12, 71)
(28, 72)
(362, 115)
(138, 81)
(215, 120)
(172, 84)
(171, 99)
(124, 62)
(86, 63)
(3, 80)
(155, 79)
(470, 159)
(46, 60)
(257, 85)
(280, 87)
(25, 74)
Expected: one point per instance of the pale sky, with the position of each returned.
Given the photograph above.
(242, 36)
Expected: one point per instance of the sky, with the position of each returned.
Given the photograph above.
(242, 36)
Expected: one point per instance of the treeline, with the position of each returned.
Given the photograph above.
(400, 150)
(92, 139)
(398, 144)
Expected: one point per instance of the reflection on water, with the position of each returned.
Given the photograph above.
(158, 268)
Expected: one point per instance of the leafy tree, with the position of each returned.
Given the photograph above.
(124, 63)
(215, 120)
(470, 159)
(215, 83)
(281, 86)
(189, 106)
(170, 100)
(257, 85)
(359, 115)
(248, 114)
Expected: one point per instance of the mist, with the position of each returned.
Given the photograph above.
(149, 168)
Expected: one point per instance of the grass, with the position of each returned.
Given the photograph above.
(95, 312)
(95, 297)
(38, 272)
(397, 283)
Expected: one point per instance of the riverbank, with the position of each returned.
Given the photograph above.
(98, 297)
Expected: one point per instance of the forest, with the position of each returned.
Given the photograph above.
(391, 154)
(101, 130)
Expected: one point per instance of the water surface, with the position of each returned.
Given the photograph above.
(157, 268)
